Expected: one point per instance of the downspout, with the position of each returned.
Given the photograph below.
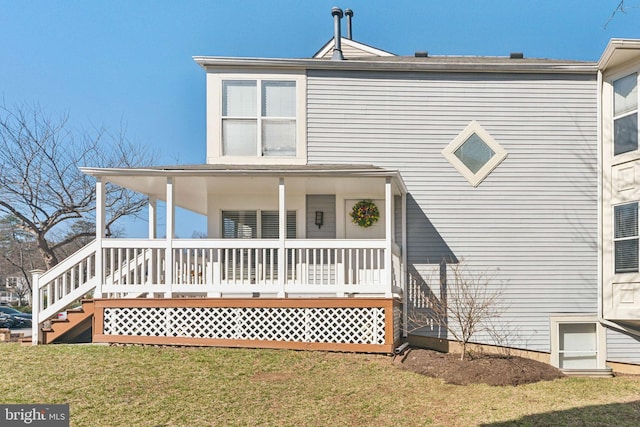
(405, 258)
(599, 244)
(336, 12)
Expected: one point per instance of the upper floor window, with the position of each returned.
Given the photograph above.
(625, 114)
(259, 118)
(625, 238)
(474, 153)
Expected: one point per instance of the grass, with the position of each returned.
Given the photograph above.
(156, 386)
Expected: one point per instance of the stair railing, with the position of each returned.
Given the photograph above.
(56, 289)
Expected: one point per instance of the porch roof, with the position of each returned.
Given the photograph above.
(195, 182)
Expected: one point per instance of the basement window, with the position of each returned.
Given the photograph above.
(474, 153)
(577, 342)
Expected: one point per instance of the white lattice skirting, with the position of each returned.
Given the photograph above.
(344, 325)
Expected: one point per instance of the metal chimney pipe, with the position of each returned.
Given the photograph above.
(349, 14)
(336, 12)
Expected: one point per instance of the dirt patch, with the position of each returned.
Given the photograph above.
(488, 369)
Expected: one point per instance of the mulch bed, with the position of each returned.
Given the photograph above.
(495, 370)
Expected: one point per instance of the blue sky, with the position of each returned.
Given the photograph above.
(128, 63)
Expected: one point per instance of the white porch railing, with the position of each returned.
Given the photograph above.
(219, 267)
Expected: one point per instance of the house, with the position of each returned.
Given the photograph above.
(336, 186)
(15, 290)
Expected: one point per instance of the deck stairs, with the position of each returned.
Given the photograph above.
(62, 287)
(77, 322)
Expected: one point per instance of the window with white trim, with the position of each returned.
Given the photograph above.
(474, 153)
(251, 224)
(577, 342)
(625, 237)
(625, 114)
(259, 118)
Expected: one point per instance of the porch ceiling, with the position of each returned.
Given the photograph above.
(195, 184)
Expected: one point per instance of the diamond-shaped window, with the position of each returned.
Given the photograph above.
(474, 153)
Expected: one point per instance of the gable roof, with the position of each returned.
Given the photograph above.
(350, 49)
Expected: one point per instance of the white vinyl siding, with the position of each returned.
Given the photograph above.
(532, 223)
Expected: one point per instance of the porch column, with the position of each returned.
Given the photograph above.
(153, 217)
(152, 274)
(100, 232)
(388, 255)
(282, 234)
(170, 231)
(403, 277)
(36, 306)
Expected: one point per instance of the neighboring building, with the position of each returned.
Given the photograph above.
(489, 162)
(15, 288)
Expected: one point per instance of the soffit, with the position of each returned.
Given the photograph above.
(195, 184)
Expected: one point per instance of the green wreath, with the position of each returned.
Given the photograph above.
(365, 213)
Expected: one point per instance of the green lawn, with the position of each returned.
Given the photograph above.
(155, 386)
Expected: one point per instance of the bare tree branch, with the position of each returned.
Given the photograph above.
(622, 8)
(41, 184)
(467, 303)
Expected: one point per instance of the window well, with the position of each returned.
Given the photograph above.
(474, 153)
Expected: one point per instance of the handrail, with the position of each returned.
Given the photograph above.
(68, 262)
(63, 284)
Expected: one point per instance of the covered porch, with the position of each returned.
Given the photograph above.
(272, 233)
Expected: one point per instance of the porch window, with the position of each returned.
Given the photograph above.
(259, 118)
(474, 153)
(251, 224)
(626, 237)
(625, 114)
